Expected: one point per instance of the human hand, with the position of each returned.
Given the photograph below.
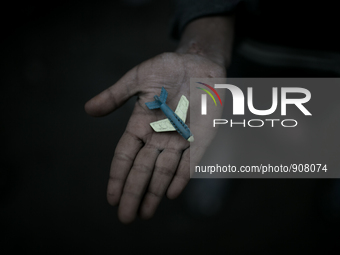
(146, 164)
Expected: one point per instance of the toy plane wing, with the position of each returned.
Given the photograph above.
(181, 111)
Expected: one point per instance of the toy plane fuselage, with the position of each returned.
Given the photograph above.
(175, 120)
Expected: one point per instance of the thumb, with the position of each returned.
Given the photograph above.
(113, 97)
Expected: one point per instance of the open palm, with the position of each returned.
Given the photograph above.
(146, 164)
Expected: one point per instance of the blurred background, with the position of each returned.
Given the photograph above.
(55, 56)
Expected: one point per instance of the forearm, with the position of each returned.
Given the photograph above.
(211, 37)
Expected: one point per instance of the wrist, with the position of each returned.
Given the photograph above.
(195, 47)
(210, 37)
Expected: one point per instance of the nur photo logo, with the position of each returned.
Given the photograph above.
(238, 104)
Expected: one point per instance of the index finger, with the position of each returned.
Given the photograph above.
(125, 154)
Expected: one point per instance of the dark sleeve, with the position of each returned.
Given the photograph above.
(188, 10)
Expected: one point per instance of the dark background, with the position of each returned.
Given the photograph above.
(57, 55)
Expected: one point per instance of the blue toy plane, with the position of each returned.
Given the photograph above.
(175, 120)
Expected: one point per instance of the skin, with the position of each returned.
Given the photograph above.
(147, 165)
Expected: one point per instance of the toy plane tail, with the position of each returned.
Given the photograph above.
(159, 100)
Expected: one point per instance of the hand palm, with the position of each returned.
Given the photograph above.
(147, 164)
